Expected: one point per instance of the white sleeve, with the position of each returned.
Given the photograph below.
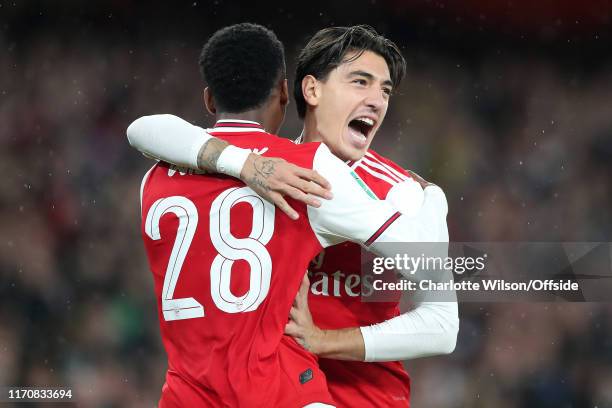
(168, 138)
(354, 215)
(429, 329)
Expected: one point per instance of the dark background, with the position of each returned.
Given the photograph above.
(506, 105)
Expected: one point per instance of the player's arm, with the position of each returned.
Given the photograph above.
(431, 328)
(354, 215)
(428, 330)
(176, 141)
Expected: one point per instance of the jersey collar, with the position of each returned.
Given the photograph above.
(237, 126)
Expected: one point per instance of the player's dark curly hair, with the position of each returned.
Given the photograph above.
(241, 64)
(328, 48)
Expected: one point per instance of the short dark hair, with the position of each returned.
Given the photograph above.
(328, 48)
(241, 64)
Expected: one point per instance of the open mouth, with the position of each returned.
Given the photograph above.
(361, 127)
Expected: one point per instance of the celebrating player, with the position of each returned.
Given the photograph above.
(343, 81)
(224, 273)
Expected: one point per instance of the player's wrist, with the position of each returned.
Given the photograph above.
(340, 344)
(232, 160)
(248, 167)
(318, 343)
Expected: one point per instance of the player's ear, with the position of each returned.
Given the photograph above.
(284, 93)
(209, 101)
(311, 90)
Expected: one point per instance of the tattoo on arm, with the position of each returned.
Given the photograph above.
(258, 182)
(264, 168)
(209, 154)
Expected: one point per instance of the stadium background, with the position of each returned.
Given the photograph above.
(506, 105)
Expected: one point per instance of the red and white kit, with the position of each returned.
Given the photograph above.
(227, 266)
(335, 302)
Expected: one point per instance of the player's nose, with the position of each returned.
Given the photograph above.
(375, 100)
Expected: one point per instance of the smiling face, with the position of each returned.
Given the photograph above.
(349, 105)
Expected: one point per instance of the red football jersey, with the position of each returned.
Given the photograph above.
(225, 285)
(335, 302)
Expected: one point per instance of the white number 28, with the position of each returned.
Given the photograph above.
(229, 249)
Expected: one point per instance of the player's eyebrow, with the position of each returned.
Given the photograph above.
(369, 76)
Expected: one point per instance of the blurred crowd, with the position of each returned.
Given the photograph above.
(521, 146)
